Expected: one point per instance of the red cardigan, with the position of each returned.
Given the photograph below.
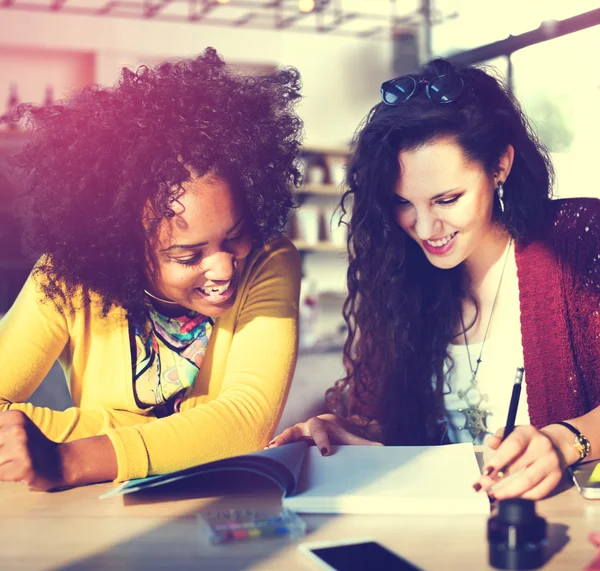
(559, 290)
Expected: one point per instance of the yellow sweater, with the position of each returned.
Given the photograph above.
(238, 395)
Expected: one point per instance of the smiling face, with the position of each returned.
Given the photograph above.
(444, 201)
(196, 252)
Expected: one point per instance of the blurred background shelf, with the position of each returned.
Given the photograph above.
(319, 247)
(321, 189)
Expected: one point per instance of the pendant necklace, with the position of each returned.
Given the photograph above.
(475, 416)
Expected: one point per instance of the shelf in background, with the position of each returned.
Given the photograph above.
(319, 247)
(333, 151)
(322, 189)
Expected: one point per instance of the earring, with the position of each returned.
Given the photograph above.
(500, 190)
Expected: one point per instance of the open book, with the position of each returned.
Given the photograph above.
(355, 479)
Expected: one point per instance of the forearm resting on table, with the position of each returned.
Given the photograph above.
(87, 461)
(562, 438)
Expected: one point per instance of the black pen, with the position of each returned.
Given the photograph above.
(514, 404)
(510, 426)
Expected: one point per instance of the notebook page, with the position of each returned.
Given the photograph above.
(390, 480)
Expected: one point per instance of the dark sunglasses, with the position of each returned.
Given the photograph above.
(443, 89)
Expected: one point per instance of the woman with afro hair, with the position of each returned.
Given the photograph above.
(164, 286)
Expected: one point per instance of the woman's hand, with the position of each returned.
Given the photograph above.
(532, 459)
(323, 430)
(26, 455)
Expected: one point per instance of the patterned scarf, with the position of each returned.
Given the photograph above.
(169, 353)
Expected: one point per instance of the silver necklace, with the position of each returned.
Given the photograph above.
(475, 416)
(160, 298)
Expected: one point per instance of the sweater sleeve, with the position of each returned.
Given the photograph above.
(581, 258)
(33, 334)
(258, 372)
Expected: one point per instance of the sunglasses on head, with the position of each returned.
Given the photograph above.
(443, 89)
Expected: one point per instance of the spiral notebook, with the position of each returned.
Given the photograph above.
(353, 479)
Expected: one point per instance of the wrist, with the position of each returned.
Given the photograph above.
(87, 461)
(574, 446)
(68, 465)
(562, 440)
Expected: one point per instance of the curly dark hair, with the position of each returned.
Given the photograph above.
(402, 312)
(97, 158)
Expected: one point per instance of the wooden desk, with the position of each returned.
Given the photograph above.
(74, 530)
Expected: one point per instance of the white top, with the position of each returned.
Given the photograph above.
(502, 354)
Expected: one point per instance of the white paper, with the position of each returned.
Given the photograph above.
(390, 480)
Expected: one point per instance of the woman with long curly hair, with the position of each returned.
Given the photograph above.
(164, 285)
(462, 272)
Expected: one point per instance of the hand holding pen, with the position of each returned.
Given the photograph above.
(525, 463)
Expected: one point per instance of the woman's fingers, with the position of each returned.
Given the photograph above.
(524, 465)
(344, 436)
(304, 431)
(318, 430)
(543, 488)
(533, 482)
(594, 537)
(494, 442)
(509, 451)
(535, 472)
(294, 433)
(535, 447)
(323, 430)
(540, 449)
(326, 432)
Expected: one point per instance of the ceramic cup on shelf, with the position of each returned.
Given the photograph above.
(335, 233)
(337, 172)
(308, 223)
(316, 173)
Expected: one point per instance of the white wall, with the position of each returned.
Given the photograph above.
(341, 76)
(33, 71)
